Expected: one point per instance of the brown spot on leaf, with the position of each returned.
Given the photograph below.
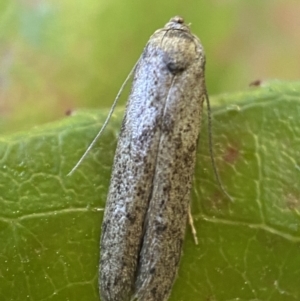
(231, 155)
(255, 83)
(68, 112)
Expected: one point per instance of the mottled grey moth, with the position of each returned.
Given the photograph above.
(149, 195)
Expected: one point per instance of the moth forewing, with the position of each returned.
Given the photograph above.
(148, 200)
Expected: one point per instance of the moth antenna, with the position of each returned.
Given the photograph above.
(211, 150)
(106, 120)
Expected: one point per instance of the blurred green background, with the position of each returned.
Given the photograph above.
(57, 56)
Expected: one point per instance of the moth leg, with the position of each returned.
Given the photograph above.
(193, 229)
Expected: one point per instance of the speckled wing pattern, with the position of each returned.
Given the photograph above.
(148, 200)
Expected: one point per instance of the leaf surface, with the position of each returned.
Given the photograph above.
(248, 248)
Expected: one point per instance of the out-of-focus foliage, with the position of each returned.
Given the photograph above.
(59, 55)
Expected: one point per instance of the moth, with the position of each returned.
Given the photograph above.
(149, 195)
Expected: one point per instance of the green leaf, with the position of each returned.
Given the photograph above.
(248, 248)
